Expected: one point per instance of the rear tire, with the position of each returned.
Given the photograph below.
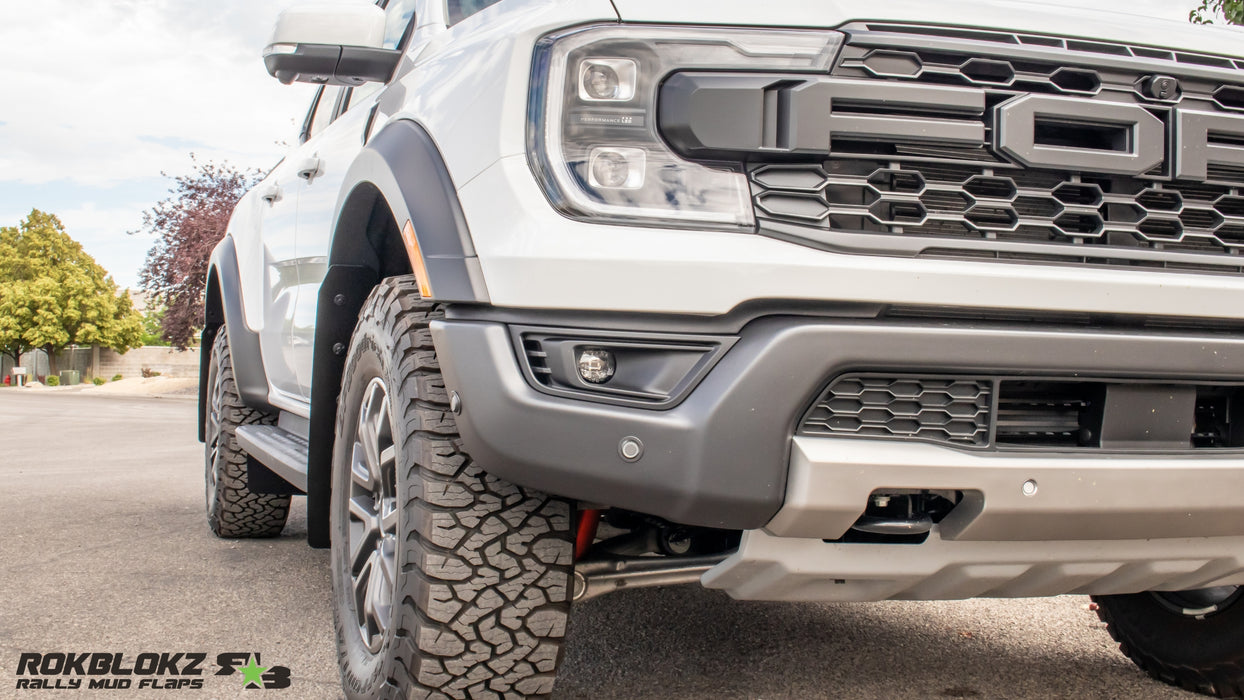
(233, 510)
(1194, 639)
(447, 581)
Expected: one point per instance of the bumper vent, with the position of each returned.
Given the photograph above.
(1024, 413)
(1049, 414)
(954, 411)
(538, 361)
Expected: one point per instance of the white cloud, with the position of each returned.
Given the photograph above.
(101, 96)
(124, 88)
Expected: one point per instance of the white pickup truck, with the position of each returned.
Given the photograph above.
(800, 300)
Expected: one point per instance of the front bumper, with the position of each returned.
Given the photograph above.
(1095, 525)
(723, 456)
(767, 567)
(1072, 496)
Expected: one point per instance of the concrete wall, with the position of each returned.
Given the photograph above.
(167, 361)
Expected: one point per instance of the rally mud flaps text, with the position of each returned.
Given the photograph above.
(150, 670)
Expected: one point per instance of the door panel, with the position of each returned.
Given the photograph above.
(280, 195)
(280, 220)
(333, 150)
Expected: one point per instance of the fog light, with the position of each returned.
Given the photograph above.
(616, 168)
(596, 365)
(607, 79)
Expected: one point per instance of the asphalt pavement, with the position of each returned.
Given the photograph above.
(104, 549)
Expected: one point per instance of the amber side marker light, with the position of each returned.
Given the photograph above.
(416, 260)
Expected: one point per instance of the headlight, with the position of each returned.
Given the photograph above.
(593, 137)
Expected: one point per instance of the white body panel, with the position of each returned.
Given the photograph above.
(468, 86)
(1087, 20)
(533, 257)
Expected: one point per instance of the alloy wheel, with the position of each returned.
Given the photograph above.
(373, 517)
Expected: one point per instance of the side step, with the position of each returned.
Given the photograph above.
(283, 452)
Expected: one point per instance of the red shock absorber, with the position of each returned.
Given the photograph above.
(588, 520)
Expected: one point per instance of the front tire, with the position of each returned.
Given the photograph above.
(447, 581)
(233, 510)
(1192, 639)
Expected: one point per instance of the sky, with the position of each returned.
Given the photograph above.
(102, 96)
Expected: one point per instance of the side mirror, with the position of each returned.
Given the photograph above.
(339, 43)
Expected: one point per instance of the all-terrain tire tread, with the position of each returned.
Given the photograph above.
(1127, 628)
(489, 598)
(239, 512)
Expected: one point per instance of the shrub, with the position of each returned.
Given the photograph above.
(148, 373)
(98, 381)
(117, 377)
(52, 380)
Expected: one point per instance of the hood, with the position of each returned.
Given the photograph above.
(1035, 17)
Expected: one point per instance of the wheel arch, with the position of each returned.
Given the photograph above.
(398, 213)
(222, 306)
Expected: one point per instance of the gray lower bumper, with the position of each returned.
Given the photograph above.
(720, 458)
(1076, 496)
(1094, 524)
(767, 567)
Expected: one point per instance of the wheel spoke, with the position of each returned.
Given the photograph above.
(371, 455)
(364, 530)
(388, 569)
(363, 476)
(388, 517)
(367, 436)
(362, 589)
(377, 599)
(380, 421)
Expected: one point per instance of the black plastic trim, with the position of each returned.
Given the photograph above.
(999, 393)
(248, 369)
(403, 164)
(349, 284)
(719, 459)
(733, 321)
(328, 64)
(710, 347)
(398, 177)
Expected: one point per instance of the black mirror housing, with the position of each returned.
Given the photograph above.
(325, 64)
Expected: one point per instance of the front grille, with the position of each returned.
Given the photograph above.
(988, 205)
(1002, 412)
(934, 193)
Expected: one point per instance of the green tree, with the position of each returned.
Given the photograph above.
(52, 294)
(1230, 10)
(16, 310)
(153, 326)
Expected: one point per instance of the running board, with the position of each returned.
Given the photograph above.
(281, 451)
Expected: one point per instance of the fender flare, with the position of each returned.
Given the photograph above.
(399, 178)
(223, 306)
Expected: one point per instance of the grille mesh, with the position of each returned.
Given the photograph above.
(988, 204)
(948, 410)
(939, 197)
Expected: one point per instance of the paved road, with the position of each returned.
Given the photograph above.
(103, 547)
